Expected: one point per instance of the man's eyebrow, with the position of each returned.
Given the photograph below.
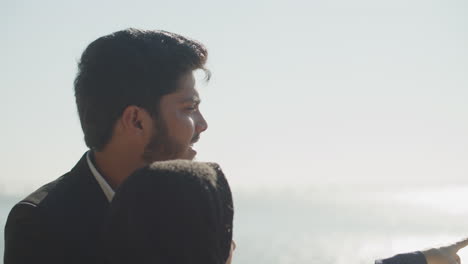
(193, 99)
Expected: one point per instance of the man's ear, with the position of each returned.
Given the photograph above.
(135, 120)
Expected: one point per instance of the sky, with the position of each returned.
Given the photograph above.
(304, 94)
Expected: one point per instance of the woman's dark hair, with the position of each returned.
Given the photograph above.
(171, 212)
(130, 67)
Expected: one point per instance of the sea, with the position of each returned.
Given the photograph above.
(338, 224)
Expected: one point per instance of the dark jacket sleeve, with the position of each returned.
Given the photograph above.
(408, 258)
(26, 240)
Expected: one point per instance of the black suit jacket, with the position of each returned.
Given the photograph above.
(58, 223)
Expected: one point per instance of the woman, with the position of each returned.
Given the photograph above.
(181, 212)
(176, 212)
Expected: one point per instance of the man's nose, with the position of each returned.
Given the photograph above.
(202, 125)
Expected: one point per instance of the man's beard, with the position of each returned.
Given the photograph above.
(161, 146)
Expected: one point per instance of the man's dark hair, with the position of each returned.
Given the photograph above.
(130, 67)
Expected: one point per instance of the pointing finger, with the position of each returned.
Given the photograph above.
(460, 244)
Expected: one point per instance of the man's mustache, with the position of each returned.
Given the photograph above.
(195, 138)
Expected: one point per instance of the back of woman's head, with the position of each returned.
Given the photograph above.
(174, 212)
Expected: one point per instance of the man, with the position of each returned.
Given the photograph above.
(137, 104)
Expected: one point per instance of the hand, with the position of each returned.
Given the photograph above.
(446, 254)
(233, 247)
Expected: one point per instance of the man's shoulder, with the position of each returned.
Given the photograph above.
(48, 194)
(44, 222)
(35, 208)
(59, 194)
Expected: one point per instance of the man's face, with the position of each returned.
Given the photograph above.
(178, 124)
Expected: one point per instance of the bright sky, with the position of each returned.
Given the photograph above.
(303, 92)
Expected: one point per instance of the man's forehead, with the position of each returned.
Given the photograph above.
(186, 91)
(187, 94)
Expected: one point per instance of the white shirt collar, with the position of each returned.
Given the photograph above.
(108, 191)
